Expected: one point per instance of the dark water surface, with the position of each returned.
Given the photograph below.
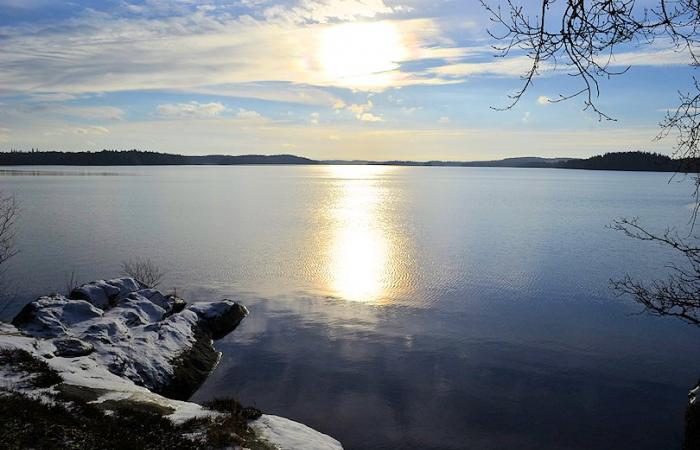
(397, 307)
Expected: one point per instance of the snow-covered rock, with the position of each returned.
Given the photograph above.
(118, 342)
(70, 347)
(692, 419)
(286, 434)
(134, 332)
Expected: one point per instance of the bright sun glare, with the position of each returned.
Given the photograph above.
(361, 54)
(360, 248)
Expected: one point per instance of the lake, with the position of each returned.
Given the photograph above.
(396, 307)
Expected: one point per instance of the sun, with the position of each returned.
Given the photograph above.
(361, 54)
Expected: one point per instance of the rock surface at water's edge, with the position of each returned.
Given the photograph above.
(692, 420)
(136, 332)
(124, 341)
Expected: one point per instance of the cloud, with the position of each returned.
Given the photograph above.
(90, 130)
(248, 114)
(323, 11)
(53, 96)
(91, 112)
(444, 120)
(369, 117)
(516, 66)
(272, 55)
(543, 100)
(507, 67)
(314, 118)
(54, 109)
(201, 52)
(361, 112)
(651, 56)
(5, 134)
(280, 91)
(191, 109)
(349, 141)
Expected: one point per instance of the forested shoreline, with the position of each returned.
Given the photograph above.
(625, 161)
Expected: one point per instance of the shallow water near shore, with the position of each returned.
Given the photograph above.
(396, 307)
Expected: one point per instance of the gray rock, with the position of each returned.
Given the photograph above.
(157, 341)
(219, 318)
(72, 347)
(104, 294)
(53, 316)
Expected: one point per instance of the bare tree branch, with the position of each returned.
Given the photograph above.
(9, 209)
(678, 295)
(582, 37)
(144, 270)
(71, 282)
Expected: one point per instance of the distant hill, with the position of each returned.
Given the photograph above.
(642, 161)
(524, 161)
(138, 158)
(639, 161)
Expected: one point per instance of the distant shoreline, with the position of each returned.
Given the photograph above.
(620, 161)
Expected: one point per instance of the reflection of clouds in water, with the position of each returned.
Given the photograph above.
(351, 371)
(332, 316)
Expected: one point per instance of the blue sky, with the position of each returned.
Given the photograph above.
(350, 79)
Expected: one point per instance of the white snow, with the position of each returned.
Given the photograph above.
(693, 394)
(286, 434)
(135, 342)
(213, 309)
(87, 372)
(133, 337)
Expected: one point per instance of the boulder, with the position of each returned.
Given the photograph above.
(103, 293)
(53, 316)
(692, 420)
(72, 347)
(119, 346)
(220, 318)
(155, 340)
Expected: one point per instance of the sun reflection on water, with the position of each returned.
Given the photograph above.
(359, 268)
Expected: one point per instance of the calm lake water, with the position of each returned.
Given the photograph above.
(393, 307)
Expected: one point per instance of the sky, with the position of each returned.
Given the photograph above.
(325, 79)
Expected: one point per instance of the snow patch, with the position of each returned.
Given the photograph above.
(121, 341)
(286, 434)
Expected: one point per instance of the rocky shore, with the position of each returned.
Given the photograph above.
(124, 349)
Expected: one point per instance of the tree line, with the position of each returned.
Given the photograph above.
(632, 160)
(136, 158)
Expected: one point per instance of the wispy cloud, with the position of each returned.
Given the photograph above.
(4, 134)
(364, 74)
(103, 53)
(98, 113)
(323, 11)
(652, 57)
(248, 114)
(191, 109)
(515, 66)
(90, 130)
